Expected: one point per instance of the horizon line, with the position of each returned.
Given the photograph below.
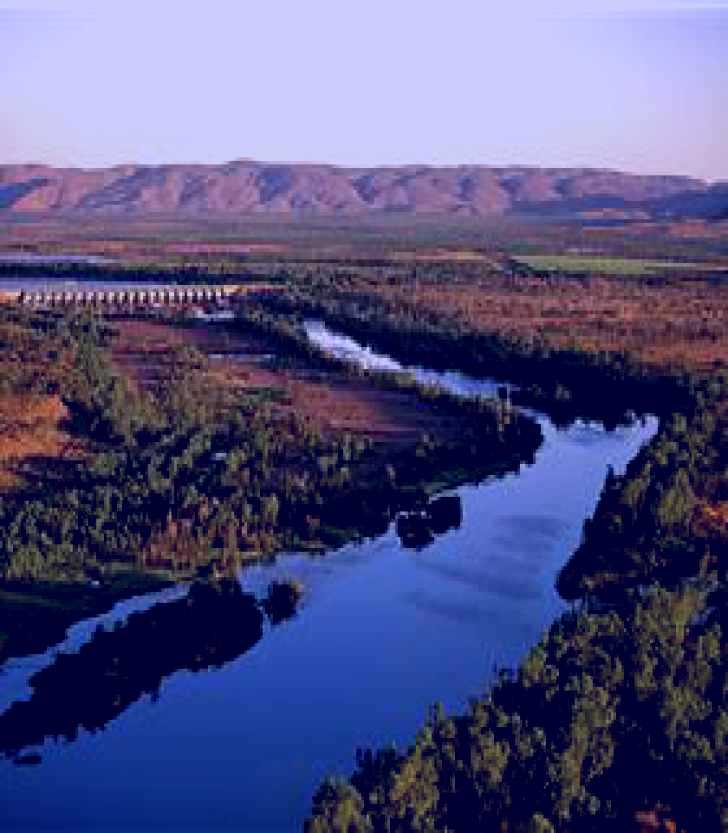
(343, 166)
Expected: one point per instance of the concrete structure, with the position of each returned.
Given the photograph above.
(125, 299)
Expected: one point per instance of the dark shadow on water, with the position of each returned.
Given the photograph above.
(212, 626)
(525, 535)
(488, 580)
(418, 527)
(456, 611)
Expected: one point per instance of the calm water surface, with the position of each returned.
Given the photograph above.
(383, 632)
(71, 285)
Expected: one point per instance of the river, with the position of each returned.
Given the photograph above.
(383, 632)
(41, 284)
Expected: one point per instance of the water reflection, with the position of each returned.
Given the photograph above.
(213, 625)
(346, 348)
(419, 527)
(74, 285)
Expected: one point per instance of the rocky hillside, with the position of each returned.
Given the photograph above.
(244, 187)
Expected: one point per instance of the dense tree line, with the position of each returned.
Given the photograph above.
(655, 523)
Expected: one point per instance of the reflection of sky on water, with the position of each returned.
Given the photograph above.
(31, 257)
(70, 285)
(344, 347)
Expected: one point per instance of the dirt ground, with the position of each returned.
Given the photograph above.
(32, 435)
(334, 403)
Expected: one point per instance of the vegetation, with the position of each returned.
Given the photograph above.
(671, 322)
(663, 521)
(282, 600)
(193, 473)
(154, 272)
(617, 718)
(586, 264)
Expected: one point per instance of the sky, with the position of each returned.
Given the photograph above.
(638, 85)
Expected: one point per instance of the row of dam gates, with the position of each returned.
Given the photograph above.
(127, 298)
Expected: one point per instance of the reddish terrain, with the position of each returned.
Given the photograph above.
(248, 187)
(333, 403)
(680, 323)
(32, 437)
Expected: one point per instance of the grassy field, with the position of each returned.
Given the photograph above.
(271, 238)
(625, 266)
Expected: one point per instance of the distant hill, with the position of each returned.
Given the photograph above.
(247, 187)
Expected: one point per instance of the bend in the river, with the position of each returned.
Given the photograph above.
(383, 632)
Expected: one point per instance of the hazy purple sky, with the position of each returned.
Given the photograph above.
(640, 85)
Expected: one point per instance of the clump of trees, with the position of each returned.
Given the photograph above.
(647, 527)
(282, 599)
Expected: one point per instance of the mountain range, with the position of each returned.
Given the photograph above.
(249, 187)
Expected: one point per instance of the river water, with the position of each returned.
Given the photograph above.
(75, 285)
(383, 632)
